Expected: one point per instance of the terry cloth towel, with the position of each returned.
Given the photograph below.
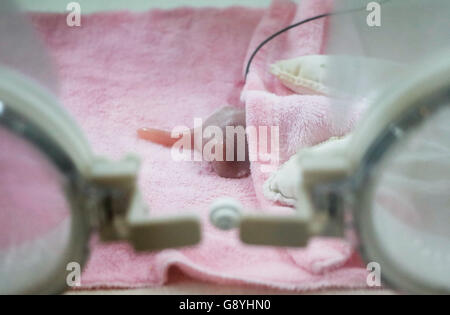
(122, 71)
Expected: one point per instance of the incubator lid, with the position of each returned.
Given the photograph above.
(29, 86)
(20, 48)
(378, 43)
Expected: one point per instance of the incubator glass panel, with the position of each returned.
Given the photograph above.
(377, 43)
(21, 49)
(410, 214)
(35, 215)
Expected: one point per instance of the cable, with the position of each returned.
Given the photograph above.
(268, 39)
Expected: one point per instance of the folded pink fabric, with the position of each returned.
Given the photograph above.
(123, 71)
(303, 120)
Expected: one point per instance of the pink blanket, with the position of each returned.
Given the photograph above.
(122, 71)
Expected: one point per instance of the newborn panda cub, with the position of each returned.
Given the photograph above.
(226, 116)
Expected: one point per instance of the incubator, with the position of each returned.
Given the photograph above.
(386, 188)
(54, 190)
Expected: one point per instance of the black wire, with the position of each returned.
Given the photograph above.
(268, 39)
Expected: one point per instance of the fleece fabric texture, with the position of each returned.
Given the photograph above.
(122, 71)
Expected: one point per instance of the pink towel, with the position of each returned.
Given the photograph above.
(122, 71)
